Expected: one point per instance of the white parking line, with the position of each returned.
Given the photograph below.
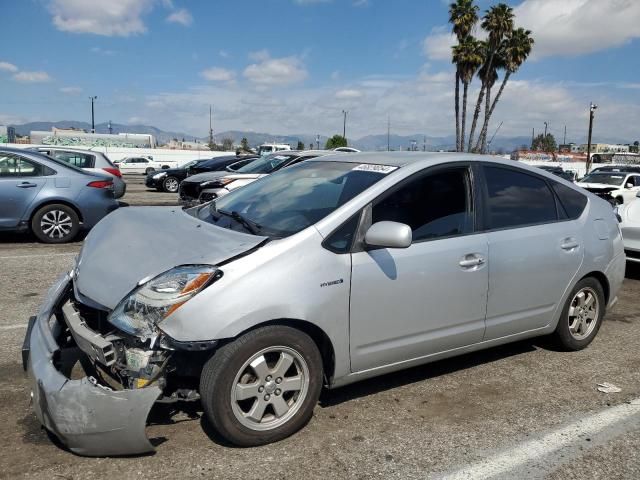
(39, 255)
(13, 327)
(537, 458)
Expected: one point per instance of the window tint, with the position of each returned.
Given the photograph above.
(76, 159)
(573, 202)
(435, 205)
(341, 240)
(16, 166)
(517, 199)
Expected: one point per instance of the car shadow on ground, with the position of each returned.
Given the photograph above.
(24, 238)
(633, 271)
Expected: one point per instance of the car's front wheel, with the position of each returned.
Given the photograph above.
(149, 170)
(55, 223)
(263, 386)
(170, 184)
(582, 315)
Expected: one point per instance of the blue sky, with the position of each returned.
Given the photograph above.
(292, 66)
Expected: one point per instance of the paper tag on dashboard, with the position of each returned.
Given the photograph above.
(370, 167)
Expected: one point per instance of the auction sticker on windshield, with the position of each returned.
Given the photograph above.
(370, 167)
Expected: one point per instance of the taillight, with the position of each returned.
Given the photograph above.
(115, 171)
(101, 184)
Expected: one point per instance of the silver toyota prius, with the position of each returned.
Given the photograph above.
(338, 269)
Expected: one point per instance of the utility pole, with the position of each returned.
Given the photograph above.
(344, 124)
(109, 127)
(317, 141)
(424, 143)
(545, 130)
(564, 139)
(592, 109)
(388, 132)
(494, 135)
(93, 123)
(210, 126)
(533, 136)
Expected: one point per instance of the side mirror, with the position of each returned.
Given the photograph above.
(629, 185)
(389, 235)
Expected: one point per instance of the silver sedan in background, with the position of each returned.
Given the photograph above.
(334, 270)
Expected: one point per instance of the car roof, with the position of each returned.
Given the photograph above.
(401, 159)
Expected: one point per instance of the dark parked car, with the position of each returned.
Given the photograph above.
(559, 171)
(169, 180)
(53, 199)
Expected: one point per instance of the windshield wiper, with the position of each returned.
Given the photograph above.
(252, 227)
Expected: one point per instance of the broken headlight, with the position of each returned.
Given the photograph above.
(153, 301)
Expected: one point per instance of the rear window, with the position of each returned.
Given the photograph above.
(77, 159)
(573, 202)
(517, 199)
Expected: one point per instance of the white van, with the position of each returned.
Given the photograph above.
(267, 148)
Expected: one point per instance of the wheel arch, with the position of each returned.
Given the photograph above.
(317, 334)
(602, 279)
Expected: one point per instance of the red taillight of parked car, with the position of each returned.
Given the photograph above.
(115, 171)
(101, 184)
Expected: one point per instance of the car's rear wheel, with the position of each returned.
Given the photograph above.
(263, 386)
(582, 315)
(55, 223)
(170, 184)
(149, 170)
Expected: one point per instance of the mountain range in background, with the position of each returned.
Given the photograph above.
(366, 143)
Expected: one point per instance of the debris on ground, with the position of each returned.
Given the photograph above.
(608, 388)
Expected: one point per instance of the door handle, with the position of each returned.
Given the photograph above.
(472, 260)
(569, 244)
(26, 185)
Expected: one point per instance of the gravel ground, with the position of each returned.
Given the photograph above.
(425, 422)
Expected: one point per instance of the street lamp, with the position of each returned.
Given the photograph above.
(344, 124)
(545, 129)
(93, 125)
(592, 109)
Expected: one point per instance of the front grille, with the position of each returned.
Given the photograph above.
(207, 197)
(189, 190)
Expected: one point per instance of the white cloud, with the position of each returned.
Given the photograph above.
(577, 27)
(271, 72)
(8, 67)
(259, 55)
(181, 16)
(110, 18)
(217, 74)
(560, 28)
(348, 94)
(223, 53)
(102, 51)
(31, 77)
(71, 90)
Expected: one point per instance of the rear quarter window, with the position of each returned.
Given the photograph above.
(573, 202)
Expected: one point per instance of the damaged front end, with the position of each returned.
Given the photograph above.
(93, 385)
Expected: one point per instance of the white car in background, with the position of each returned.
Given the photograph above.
(629, 217)
(143, 165)
(616, 185)
(95, 162)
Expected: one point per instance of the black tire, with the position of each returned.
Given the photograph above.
(563, 335)
(63, 220)
(168, 184)
(149, 170)
(221, 370)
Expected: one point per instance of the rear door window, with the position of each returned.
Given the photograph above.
(77, 159)
(517, 199)
(16, 166)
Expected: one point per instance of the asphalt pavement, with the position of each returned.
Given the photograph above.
(518, 411)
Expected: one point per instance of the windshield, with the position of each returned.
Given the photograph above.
(293, 199)
(191, 163)
(606, 178)
(268, 164)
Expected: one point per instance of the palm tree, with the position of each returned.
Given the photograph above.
(463, 15)
(468, 56)
(489, 76)
(515, 51)
(498, 22)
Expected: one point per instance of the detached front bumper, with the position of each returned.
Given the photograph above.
(90, 419)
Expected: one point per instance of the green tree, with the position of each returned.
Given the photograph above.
(467, 56)
(244, 143)
(335, 142)
(514, 52)
(300, 145)
(311, 146)
(212, 146)
(544, 143)
(227, 144)
(498, 22)
(463, 16)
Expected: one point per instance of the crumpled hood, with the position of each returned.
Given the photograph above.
(135, 243)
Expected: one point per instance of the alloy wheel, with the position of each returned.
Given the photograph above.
(270, 388)
(583, 313)
(56, 224)
(171, 184)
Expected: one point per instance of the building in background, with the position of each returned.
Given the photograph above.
(183, 145)
(606, 148)
(570, 148)
(7, 134)
(70, 137)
